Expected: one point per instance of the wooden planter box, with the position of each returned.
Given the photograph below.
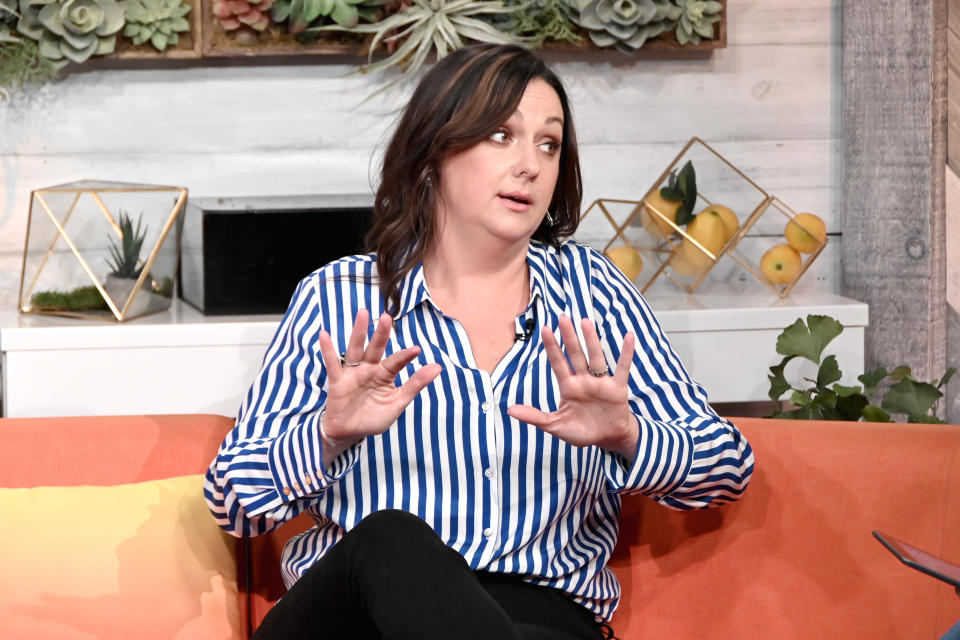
(207, 39)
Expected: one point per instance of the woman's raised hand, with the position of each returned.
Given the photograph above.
(593, 408)
(362, 397)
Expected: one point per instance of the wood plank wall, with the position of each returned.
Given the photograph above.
(769, 102)
(952, 175)
(895, 128)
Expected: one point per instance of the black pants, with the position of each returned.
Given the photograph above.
(392, 578)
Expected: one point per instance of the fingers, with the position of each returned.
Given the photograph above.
(572, 345)
(395, 363)
(622, 374)
(415, 383)
(530, 415)
(558, 362)
(598, 361)
(358, 337)
(331, 359)
(378, 343)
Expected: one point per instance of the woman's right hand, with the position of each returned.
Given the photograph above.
(363, 399)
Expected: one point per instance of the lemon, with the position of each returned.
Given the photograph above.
(709, 230)
(806, 232)
(781, 264)
(628, 260)
(655, 224)
(729, 218)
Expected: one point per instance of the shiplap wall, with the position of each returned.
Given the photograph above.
(770, 102)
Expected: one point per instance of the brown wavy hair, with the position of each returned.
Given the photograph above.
(461, 101)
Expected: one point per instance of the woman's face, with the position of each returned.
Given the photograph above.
(500, 188)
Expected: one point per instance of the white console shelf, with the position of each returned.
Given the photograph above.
(180, 361)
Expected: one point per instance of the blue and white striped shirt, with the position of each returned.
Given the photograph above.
(505, 495)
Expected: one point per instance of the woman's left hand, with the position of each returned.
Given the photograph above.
(593, 409)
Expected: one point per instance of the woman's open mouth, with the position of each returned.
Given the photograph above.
(516, 201)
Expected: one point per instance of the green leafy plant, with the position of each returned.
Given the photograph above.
(826, 399)
(625, 25)
(696, 20)
(298, 14)
(682, 187)
(158, 22)
(425, 27)
(125, 257)
(71, 30)
(22, 67)
(537, 22)
(8, 21)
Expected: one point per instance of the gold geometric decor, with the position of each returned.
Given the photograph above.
(701, 208)
(101, 250)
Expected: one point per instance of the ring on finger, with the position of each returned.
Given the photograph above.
(345, 363)
(595, 373)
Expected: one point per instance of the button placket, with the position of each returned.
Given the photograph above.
(490, 418)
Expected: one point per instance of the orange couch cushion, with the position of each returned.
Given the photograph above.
(106, 532)
(105, 450)
(795, 558)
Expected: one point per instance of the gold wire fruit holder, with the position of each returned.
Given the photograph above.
(770, 230)
(100, 250)
(686, 255)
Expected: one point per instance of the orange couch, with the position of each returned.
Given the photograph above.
(794, 559)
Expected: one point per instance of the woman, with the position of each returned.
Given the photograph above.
(463, 467)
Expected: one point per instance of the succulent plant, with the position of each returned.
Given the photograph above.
(71, 29)
(158, 21)
(537, 21)
(697, 20)
(234, 15)
(8, 21)
(427, 26)
(298, 14)
(624, 24)
(126, 256)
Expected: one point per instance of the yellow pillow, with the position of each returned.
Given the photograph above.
(132, 562)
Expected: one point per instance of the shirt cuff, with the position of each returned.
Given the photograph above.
(662, 460)
(296, 461)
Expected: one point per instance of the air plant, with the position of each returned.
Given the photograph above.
(426, 26)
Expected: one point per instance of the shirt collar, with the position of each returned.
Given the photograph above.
(545, 281)
(545, 277)
(413, 290)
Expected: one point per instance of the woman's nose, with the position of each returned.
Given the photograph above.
(527, 161)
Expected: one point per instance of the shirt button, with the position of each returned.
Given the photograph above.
(286, 491)
(487, 532)
(486, 406)
(308, 480)
(488, 473)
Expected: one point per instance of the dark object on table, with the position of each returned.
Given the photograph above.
(246, 255)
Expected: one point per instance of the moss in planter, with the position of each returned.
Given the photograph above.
(80, 299)
(22, 67)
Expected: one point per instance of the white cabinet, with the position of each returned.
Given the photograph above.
(180, 361)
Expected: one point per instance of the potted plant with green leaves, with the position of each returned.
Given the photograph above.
(126, 267)
(881, 395)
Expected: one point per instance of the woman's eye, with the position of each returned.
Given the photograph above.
(500, 136)
(550, 146)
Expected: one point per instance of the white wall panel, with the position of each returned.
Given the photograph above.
(769, 102)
